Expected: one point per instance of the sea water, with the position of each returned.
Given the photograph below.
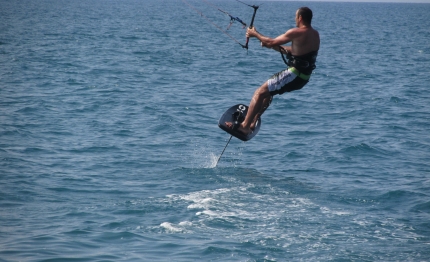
(109, 137)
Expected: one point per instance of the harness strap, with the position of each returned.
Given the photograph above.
(286, 56)
(301, 75)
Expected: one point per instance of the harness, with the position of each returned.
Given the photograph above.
(302, 65)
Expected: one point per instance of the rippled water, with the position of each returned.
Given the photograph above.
(109, 137)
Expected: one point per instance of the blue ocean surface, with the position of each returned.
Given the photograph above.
(109, 136)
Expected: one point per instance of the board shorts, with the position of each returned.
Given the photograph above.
(286, 81)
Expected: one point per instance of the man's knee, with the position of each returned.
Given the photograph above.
(262, 91)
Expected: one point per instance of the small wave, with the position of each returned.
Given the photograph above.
(424, 207)
(27, 109)
(394, 99)
(363, 149)
(396, 195)
(170, 227)
(326, 210)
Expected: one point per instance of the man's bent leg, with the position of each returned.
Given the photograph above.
(258, 104)
(266, 103)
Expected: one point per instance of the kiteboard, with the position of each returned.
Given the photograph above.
(236, 114)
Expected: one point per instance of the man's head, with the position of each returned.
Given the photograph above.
(304, 14)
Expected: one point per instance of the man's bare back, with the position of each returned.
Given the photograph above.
(304, 40)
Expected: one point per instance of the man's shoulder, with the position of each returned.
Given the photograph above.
(299, 31)
(294, 32)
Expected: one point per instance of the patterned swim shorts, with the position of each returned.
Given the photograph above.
(285, 81)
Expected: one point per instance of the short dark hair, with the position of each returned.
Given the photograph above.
(306, 14)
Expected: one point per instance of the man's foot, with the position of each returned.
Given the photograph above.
(253, 125)
(239, 128)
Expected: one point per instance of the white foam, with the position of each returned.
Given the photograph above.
(326, 210)
(185, 223)
(170, 227)
(204, 203)
(242, 202)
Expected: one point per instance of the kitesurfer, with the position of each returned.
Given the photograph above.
(301, 55)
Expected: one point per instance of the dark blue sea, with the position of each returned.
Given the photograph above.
(109, 136)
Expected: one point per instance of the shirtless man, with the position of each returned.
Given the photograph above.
(302, 53)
